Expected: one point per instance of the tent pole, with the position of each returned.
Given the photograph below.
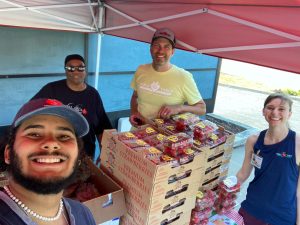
(98, 58)
(99, 41)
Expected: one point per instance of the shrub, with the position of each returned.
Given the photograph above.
(291, 92)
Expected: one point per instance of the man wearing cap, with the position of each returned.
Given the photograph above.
(162, 89)
(41, 156)
(77, 94)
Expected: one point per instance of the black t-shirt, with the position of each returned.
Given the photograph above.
(88, 102)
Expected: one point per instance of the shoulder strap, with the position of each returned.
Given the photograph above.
(8, 217)
(260, 140)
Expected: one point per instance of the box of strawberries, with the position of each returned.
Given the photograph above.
(103, 196)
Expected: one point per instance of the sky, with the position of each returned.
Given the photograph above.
(272, 77)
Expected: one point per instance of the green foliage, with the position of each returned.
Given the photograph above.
(291, 92)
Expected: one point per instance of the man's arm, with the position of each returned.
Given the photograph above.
(136, 119)
(134, 103)
(169, 110)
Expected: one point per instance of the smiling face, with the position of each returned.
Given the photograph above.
(161, 51)
(277, 112)
(75, 78)
(45, 154)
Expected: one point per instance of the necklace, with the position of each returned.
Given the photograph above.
(67, 221)
(29, 211)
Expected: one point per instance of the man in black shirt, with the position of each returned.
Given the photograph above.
(77, 94)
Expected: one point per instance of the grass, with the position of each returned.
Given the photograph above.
(239, 81)
(291, 92)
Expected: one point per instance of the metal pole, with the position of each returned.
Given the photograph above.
(99, 41)
(98, 58)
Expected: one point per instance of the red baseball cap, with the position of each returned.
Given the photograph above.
(165, 33)
(52, 107)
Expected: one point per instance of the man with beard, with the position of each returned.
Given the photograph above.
(41, 156)
(162, 89)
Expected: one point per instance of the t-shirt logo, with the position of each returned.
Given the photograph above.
(78, 108)
(84, 112)
(155, 87)
(284, 155)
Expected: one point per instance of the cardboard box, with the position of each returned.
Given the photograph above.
(148, 217)
(114, 154)
(210, 184)
(115, 221)
(217, 170)
(211, 172)
(127, 220)
(225, 147)
(211, 180)
(217, 158)
(147, 185)
(111, 203)
(176, 219)
(214, 161)
(223, 175)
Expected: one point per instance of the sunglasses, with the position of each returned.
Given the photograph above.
(73, 68)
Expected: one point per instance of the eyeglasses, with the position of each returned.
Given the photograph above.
(73, 68)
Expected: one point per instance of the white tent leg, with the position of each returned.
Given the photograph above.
(99, 42)
(98, 58)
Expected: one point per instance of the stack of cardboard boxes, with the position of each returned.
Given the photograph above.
(217, 163)
(154, 194)
(160, 194)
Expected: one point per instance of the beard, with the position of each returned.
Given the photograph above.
(37, 184)
(160, 61)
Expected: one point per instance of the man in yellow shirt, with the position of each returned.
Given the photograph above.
(162, 89)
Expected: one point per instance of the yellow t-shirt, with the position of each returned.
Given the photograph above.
(155, 89)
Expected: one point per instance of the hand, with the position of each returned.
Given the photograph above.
(136, 120)
(167, 111)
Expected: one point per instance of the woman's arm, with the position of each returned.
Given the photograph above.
(247, 167)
